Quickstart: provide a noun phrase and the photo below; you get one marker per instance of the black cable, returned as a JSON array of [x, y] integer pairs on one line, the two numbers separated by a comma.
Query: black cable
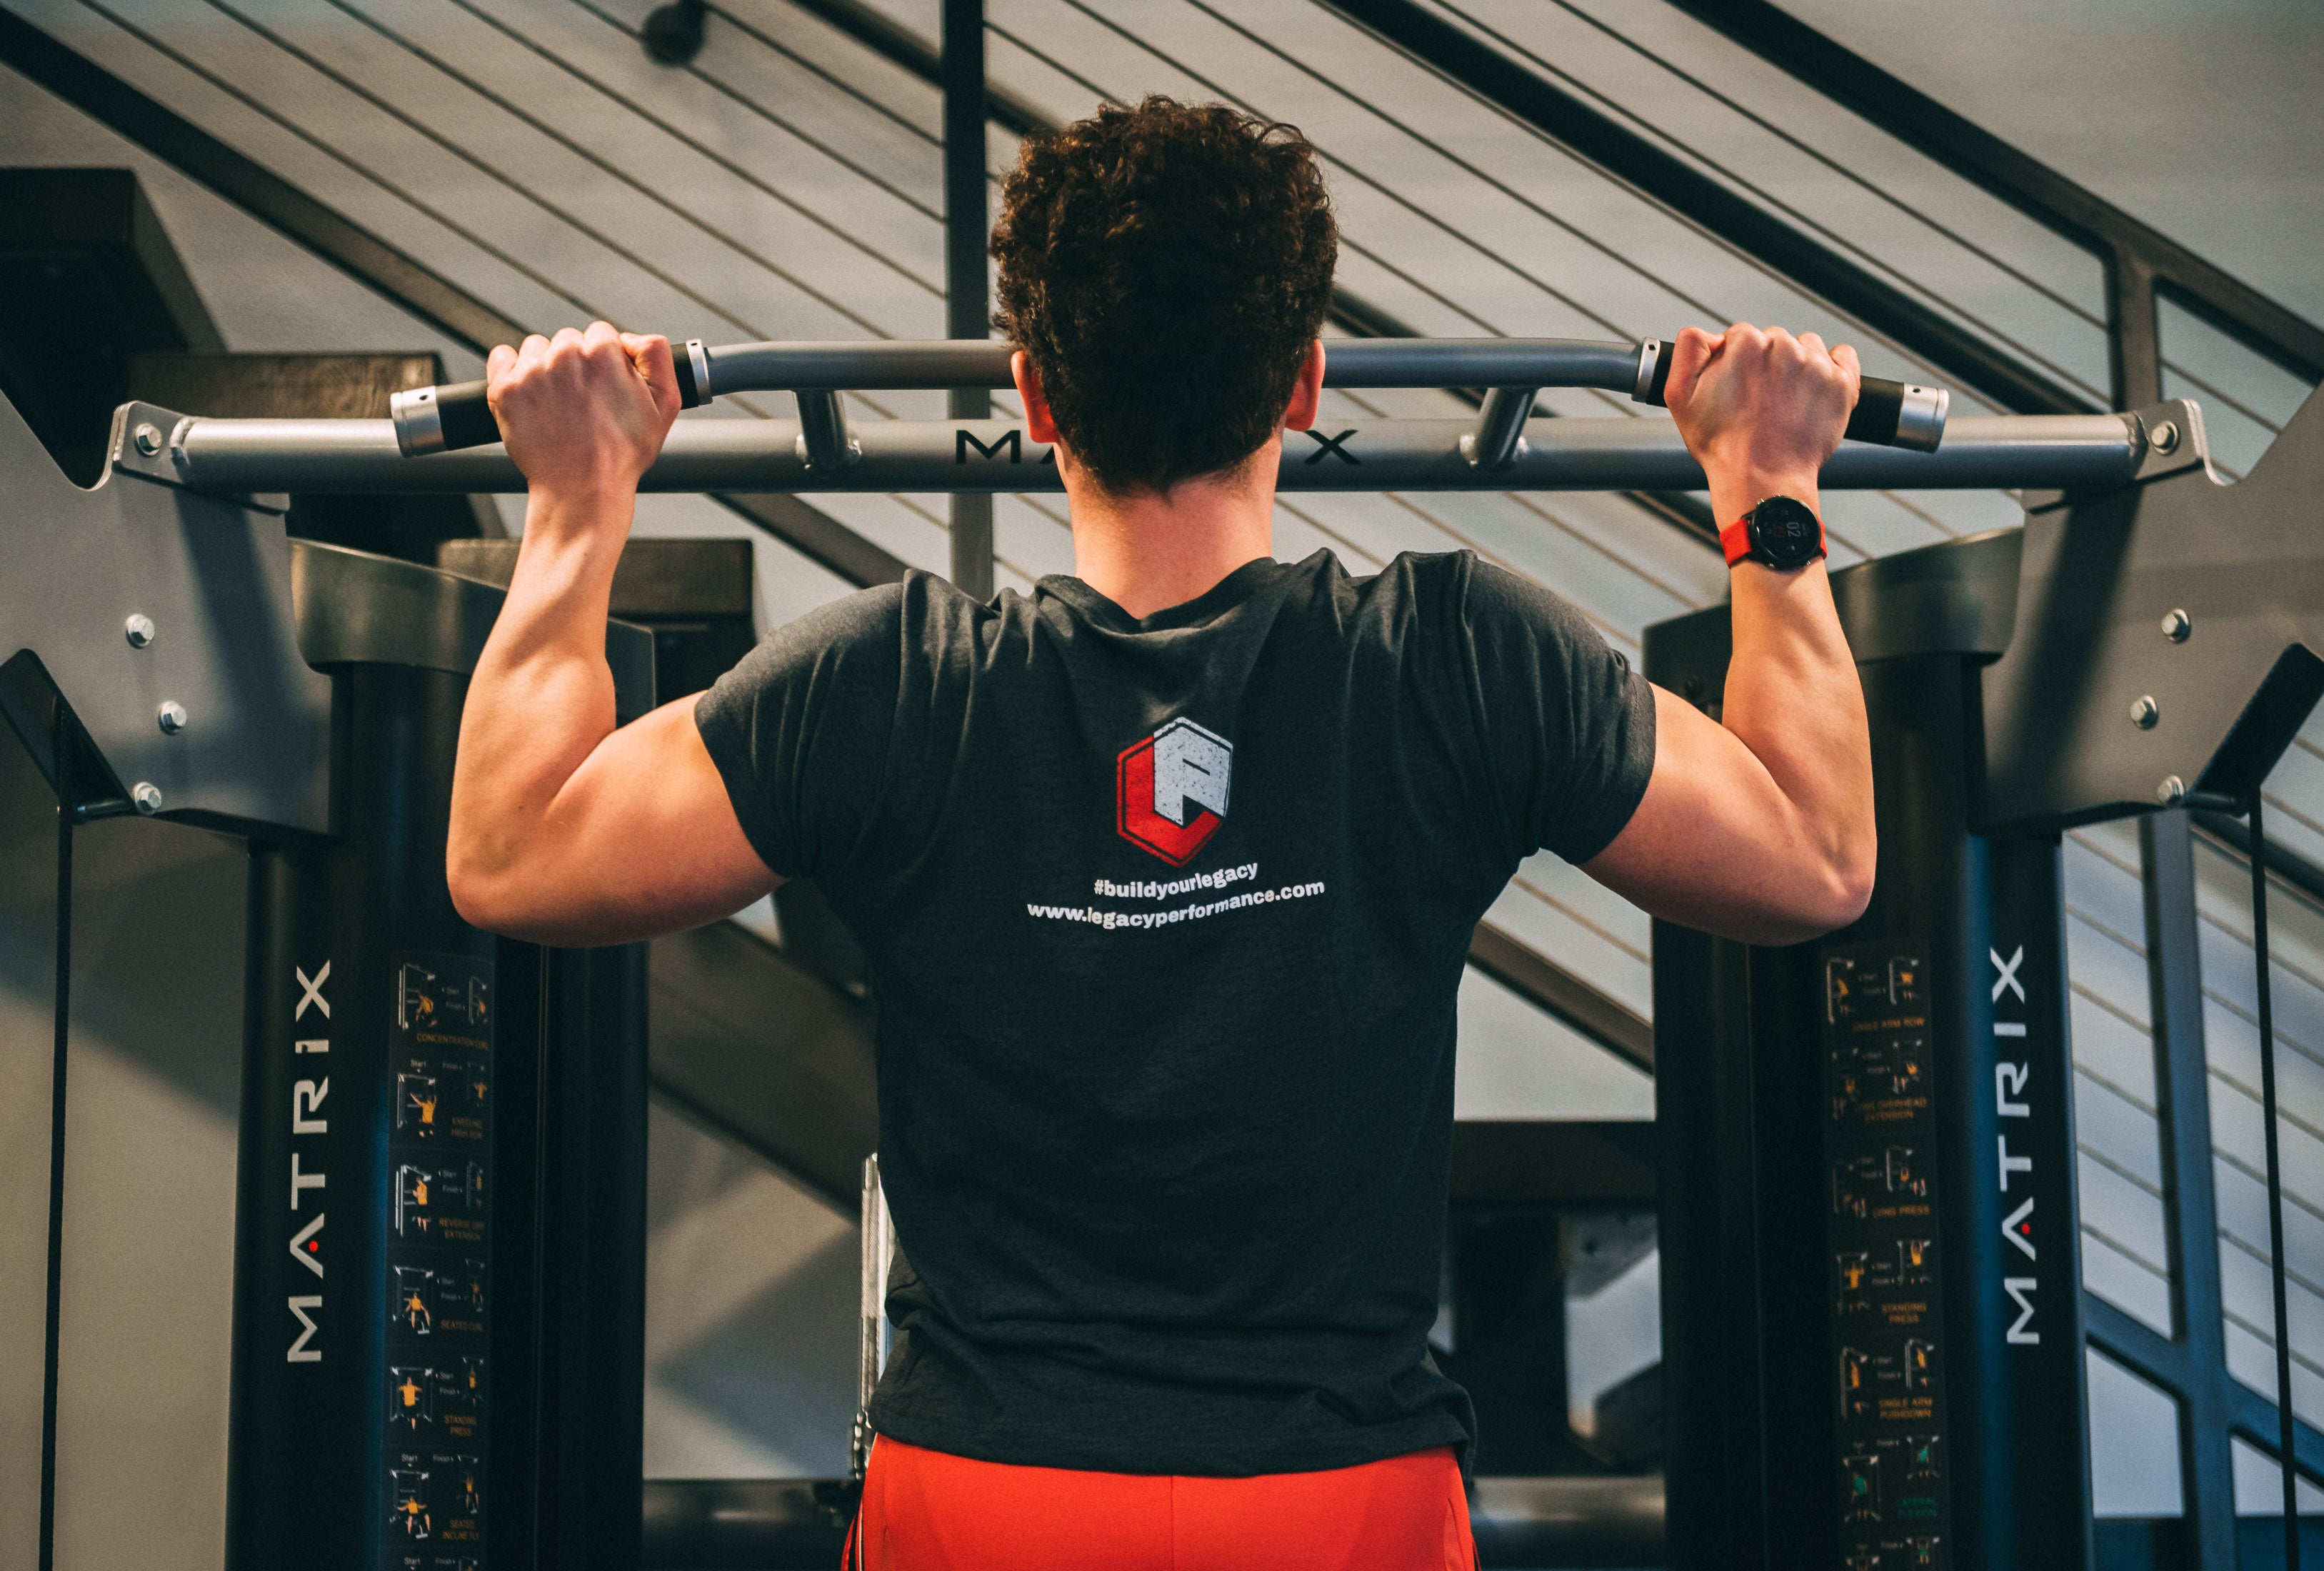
[[1619, 405], [375, 100], [259, 106], [60, 736], [1347, 242], [2284, 1431], [1694, 226], [506, 259]]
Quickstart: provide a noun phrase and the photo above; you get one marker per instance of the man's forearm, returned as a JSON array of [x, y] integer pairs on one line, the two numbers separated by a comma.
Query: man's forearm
[[1791, 693], [542, 696]]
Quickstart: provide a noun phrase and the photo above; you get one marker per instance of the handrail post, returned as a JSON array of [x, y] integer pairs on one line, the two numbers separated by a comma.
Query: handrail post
[[964, 272], [2134, 330]]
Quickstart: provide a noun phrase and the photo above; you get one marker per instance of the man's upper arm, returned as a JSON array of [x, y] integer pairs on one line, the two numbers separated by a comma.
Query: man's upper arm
[[1643, 791], [643, 839], [1715, 843], [1567, 727], [704, 805]]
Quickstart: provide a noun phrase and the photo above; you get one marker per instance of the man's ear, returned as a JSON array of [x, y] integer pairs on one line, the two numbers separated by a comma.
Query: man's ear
[[1308, 392], [1040, 423]]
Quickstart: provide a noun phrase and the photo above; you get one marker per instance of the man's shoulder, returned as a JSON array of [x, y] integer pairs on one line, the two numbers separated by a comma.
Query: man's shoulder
[[1410, 576], [920, 610], [1448, 599], [857, 637], [877, 612]]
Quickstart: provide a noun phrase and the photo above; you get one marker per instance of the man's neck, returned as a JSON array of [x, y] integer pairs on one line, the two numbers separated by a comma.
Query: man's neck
[[1147, 552]]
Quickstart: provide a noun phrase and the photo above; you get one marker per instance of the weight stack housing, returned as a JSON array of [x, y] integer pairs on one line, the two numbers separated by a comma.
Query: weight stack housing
[[1872, 1326], [423, 1104]]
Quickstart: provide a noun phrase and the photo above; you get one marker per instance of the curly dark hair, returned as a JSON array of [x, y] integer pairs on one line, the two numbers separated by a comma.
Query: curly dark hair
[[1165, 268]]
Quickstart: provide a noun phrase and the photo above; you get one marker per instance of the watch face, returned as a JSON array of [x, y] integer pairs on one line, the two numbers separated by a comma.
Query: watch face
[[1785, 533]]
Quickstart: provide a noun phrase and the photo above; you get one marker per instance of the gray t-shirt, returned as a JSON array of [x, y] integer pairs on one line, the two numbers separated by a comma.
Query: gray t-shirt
[[1165, 918]]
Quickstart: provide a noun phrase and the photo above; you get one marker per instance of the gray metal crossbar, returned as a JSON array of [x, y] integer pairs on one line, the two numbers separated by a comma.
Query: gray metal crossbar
[[227, 456]]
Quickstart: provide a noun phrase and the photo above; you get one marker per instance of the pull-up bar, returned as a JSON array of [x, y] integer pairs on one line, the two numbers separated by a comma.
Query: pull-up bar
[[2036, 451], [1891, 413], [443, 439]]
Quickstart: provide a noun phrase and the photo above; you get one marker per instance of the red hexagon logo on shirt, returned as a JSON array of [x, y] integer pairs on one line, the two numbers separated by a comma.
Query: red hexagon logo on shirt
[[1170, 790]]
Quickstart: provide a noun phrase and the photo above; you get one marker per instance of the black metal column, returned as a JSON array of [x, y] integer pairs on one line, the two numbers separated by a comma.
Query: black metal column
[[59, 1065], [1873, 1325], [361, 1409], [438, 1333], [588, 1328], [1714, 1393], [965, 302]]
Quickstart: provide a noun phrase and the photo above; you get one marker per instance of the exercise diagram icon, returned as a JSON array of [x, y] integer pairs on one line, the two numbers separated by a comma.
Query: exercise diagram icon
[[1171, 790]]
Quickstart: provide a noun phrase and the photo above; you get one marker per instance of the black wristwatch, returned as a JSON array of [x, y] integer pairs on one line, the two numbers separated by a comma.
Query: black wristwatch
[[1782, 532]]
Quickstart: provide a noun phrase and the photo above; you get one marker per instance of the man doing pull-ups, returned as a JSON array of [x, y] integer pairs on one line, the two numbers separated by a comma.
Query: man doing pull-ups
[[1165, 870]]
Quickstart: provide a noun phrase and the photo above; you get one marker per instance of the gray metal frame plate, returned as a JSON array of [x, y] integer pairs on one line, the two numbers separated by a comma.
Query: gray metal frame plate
[[214, 576]]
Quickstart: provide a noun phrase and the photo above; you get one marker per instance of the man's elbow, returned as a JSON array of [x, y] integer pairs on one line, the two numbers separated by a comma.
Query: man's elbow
[[481, 899], [1831, 897], [1844, 891], [493, 892], [1850, 893]]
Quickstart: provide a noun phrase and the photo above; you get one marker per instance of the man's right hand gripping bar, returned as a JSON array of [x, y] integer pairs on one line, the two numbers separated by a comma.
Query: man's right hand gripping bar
[[1890, 414]]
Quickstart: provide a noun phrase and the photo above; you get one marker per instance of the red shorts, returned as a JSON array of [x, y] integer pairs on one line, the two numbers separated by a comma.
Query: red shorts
[[928, 1510]]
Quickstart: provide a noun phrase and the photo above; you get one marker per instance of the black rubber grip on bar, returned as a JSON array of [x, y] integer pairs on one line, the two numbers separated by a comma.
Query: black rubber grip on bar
[[1879, 402], [467, 417], [1662, 373]]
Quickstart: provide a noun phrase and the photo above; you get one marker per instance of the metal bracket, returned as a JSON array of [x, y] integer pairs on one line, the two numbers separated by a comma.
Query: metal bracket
[[163, 618], [1498, 439], [2165, 439], [2165, 633], [184, 629], [825, 443], [150, 442], [2171, 439]]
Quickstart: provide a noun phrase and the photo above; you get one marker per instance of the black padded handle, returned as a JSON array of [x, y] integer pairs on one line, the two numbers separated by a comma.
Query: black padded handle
[[1879, 408], [466, 415], [1878, 402], [447, 418]]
